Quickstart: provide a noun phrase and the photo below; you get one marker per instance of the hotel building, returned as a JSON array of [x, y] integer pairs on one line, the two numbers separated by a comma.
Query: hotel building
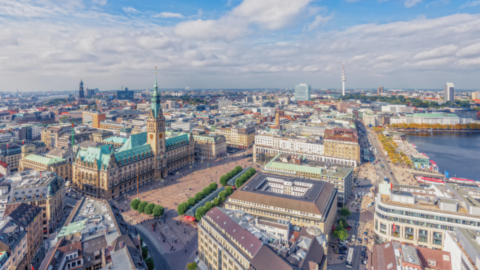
[[235, 240], [302, 202], [423, 216]]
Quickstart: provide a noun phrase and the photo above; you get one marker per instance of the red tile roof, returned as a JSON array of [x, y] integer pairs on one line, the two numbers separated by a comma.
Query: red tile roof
[[3, 164]]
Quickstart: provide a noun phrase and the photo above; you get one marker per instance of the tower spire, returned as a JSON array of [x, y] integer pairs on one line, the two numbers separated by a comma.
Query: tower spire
[[155, 87], [344, 78]]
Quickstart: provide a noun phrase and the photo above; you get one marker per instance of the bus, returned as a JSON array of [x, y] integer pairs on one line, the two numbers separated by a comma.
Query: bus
[[349, 261]]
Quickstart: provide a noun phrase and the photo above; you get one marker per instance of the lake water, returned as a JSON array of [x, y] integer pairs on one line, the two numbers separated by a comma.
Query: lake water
[[457, 153]]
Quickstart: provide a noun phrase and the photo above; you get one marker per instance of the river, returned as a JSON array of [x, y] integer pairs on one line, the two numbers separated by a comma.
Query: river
[[455, 152]]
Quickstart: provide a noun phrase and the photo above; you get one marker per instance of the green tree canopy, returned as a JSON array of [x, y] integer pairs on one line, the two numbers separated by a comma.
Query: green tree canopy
[[191, 201], [149, 208], [213, 186], [158, 211], [141, 207], [223, 180], [144, 252], [222, 195], [208, 206], [216, 201], [199, 213], [150, 264], [228, 190], [345, 212], [182, 208], [191, 266], [341, 233], [134, 204]]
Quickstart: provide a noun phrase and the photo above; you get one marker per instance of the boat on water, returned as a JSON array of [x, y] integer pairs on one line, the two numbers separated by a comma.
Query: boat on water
[[454, 180], [463, 181], [430, 180]]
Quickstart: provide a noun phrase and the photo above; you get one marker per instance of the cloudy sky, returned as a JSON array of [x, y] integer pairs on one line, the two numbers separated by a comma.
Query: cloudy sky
[[52, 44]]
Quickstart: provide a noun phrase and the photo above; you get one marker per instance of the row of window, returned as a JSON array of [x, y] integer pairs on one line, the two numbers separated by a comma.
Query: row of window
[[431, 217]]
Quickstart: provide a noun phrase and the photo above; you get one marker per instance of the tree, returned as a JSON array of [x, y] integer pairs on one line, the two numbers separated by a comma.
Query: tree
[[144, 252], [213, 186], [149, 208], [208, 206], [191, 201], [207, 190], [340, 233], [141, 207], [222, 195], [229, 175], [191, 266], [199, 196], [134, 204], [238, 168], [343, 222], [150, 264], [223, 180], [182, 208], [158, 211], [199, 213], [238, 182], [229, 190], [216, 201]]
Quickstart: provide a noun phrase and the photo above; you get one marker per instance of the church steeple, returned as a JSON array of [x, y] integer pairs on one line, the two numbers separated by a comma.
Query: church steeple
[[156, 107]]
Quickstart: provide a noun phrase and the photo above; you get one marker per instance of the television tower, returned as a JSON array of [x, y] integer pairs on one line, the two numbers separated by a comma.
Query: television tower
[[344, 78]]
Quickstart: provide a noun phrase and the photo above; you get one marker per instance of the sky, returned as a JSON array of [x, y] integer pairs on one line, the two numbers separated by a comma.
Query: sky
[[52, 44]]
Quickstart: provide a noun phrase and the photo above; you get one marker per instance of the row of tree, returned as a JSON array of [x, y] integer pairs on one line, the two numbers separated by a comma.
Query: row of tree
[[147, 208], [341, 229], [397, 157], [148, 260], [224, 178], [183, 207], [244, 178], [222, 196]]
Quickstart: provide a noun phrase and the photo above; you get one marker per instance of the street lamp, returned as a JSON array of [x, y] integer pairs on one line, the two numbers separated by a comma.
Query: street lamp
[[177, 179], [204, 182], [161, 180], [190, 188]]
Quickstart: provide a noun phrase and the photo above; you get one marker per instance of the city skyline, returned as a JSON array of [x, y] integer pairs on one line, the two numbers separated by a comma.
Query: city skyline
[[238, 44]]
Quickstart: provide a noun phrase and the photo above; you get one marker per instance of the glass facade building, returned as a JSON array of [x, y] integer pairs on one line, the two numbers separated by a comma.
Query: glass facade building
[[302, 92]]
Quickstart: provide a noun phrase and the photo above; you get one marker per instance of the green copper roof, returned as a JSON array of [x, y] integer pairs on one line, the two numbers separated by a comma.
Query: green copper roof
[[156, 107], [72, 228], [292, 167], [97, 155], [435, 115], [133, 148], [44, 160], [176, 141], [116, 140]]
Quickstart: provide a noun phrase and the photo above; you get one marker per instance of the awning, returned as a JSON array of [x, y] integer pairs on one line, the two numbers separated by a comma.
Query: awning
[[189, 218]]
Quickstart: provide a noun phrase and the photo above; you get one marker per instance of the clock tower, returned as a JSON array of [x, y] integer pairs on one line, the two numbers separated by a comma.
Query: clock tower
[[156, 131]]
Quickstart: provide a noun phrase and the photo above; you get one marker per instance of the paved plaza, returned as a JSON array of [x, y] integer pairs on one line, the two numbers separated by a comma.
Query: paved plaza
[[176, 237]]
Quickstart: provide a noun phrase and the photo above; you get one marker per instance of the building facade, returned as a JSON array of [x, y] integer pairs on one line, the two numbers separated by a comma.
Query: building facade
[[57, 165], [449, 92], [302, 202], [81, 92], [380, 90], [209, 146], [103, 172], [342, 144], [237, 137], [339, 175], [93, 119], [223, 102], [303, 92], [423, 216], [43, 189], [51, 135]]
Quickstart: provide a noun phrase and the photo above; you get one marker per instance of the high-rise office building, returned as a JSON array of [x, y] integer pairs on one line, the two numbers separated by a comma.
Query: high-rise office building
[[81, 93], [223, 102], [476, 95], [449, 92], [302, 92], [380, 90]]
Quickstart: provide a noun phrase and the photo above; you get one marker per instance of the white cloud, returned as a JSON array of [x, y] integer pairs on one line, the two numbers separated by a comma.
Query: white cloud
[[468, 51], [168, 15], [470, 4], [411, 3], [231, 51], [130, 10], [319, 20], [437, 52], [267, 14], [100, 2]]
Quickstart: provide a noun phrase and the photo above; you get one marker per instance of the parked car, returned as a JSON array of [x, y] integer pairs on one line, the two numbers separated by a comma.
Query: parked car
[[357, 225], [363, 253], [348, 229], [342, 252]]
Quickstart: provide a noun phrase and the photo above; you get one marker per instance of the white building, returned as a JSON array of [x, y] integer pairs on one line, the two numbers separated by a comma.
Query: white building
[[397, 108], [464, 248], [370, 120], [300, 145], [223, 102], [430, 118], [449, 92]]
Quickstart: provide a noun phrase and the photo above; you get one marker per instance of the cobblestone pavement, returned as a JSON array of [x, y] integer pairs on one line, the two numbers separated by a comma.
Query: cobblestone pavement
[[182, 249]]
